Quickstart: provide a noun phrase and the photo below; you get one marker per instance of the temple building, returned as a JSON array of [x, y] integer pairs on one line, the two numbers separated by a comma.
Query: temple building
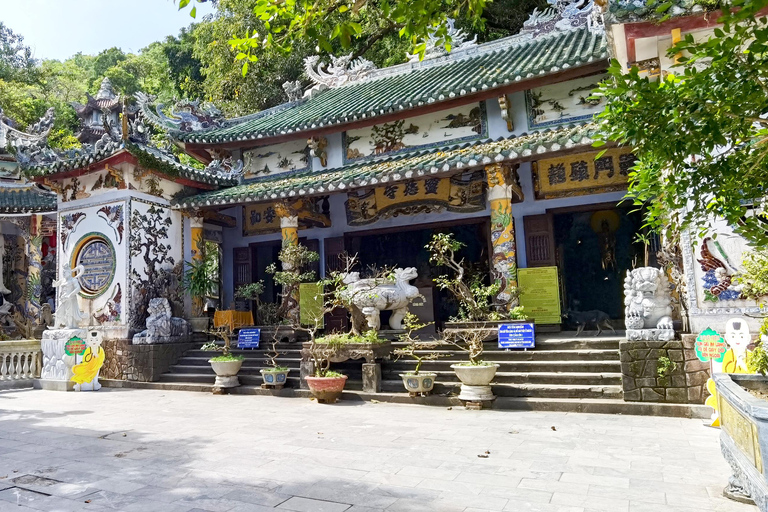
[[106, 107], [491, 142]]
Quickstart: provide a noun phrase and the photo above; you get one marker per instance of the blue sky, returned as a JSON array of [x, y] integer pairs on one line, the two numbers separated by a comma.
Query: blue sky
[[57, 29]]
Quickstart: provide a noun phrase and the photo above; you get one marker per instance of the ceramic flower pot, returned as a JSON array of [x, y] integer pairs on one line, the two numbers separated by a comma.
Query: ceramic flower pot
[[326, 389], [475, 381], [418, 383], [274, 378], [226, 373]]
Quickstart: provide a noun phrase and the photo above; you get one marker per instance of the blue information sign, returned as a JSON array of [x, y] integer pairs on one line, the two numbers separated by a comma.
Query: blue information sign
[[520, 335], [248, 338]]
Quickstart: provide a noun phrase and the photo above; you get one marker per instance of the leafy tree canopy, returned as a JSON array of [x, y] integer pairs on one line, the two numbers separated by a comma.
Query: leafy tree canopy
[[701, 131]]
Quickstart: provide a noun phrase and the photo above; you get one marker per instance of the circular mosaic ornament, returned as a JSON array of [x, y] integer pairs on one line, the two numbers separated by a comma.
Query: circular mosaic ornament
[[97, 256]]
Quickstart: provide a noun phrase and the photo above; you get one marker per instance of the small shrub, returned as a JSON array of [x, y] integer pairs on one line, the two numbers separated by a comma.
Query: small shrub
[[665, 366]]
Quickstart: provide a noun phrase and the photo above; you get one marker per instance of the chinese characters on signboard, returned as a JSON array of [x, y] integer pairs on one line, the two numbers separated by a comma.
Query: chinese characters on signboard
[[583, 174]]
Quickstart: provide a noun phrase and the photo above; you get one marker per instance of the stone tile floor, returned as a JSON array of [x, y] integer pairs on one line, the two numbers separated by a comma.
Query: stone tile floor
[[148, 450]]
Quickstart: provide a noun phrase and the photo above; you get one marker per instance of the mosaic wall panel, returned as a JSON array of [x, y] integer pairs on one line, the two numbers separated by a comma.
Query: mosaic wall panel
[[288, 157], [564, 102]]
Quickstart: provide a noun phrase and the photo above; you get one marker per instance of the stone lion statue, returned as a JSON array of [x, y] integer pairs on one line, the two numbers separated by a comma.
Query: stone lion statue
[[372, 296], [648, 305], [162, 327]]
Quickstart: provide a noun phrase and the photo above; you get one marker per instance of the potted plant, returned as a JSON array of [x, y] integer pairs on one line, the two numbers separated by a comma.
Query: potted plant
[[475, 374], [227, 364], [417, 382], [276, 376], [200, 281], [478, 304]]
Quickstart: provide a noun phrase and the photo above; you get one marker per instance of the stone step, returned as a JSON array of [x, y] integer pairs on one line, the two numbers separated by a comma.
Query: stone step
[[521, 390], [252, 360], [246, 369], [582, 405], [208, 378], [564, 378], [520, 366]]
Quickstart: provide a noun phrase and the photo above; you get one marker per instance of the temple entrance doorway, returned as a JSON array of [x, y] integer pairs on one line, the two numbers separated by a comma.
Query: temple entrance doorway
[[405, 247], [594, 249]]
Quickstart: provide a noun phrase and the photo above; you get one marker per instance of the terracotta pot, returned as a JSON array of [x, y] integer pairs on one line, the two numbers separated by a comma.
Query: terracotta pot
[[326, 389], [199, 324], [226, 373], [418, 383]]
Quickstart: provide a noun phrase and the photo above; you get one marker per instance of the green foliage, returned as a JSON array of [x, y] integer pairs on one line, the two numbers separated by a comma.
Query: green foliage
[[665, 366], [757, 360], [701, 132], [295, 260], [753, 276], [201, 277], [328, 374], [250, 291], [228, 357], [340, 339]]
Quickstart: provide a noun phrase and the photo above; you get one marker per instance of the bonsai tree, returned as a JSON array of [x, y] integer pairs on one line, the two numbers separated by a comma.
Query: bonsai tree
[[272, 354], [753, 280], [295, 259], [200, 279], [225, 334], [266, 312], [477, 301], [469, 341], [415, 348]]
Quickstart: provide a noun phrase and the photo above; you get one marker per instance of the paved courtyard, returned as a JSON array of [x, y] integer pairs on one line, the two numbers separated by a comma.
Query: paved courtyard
[[147, 450]]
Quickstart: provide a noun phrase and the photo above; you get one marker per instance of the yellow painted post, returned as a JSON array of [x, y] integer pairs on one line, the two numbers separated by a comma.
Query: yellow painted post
[[504, 260], [196, 224], [289, 228], [676, 38]]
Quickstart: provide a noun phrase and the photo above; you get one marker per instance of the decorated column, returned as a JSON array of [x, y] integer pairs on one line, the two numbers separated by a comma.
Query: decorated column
[[34, 268], [501, 187], [196, 224]]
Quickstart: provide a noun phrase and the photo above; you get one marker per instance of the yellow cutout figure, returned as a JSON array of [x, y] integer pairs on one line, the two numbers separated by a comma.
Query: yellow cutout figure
[[731, 364], [86, 374]]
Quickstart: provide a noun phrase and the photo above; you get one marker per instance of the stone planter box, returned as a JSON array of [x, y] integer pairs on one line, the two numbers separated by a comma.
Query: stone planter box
[[744, 436], [418, 383], [327, 390], [199, 324], [642, 383], [368, 351]]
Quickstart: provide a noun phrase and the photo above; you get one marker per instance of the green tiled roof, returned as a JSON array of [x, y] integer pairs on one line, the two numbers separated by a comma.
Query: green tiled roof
[[25, 198], [407, 86], [403, 167], [151, 157], [622, 11]]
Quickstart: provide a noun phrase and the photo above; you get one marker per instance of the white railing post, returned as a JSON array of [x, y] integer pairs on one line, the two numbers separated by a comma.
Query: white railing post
[[19, 360]]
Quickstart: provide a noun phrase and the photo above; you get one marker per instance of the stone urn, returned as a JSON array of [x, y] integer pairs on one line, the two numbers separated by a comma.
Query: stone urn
[[327, 390], [416, 383], [199, 324], [475, 381], [744, 436], [226, 373], [274, 378]]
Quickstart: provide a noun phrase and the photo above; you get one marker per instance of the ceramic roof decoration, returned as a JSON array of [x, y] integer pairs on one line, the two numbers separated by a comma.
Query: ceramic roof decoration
[[407, 86], [342, 70], [20, 197], [37, 159], [185, 115], [459, 43], [403, 167], [639, 10]]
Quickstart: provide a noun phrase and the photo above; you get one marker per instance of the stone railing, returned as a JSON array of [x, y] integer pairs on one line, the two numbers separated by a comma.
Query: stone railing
[[19, 361]]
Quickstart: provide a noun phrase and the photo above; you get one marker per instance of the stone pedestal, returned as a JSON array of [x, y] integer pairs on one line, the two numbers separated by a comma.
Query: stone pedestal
[[650, 334], [476, 393], [306, 369], [56, 373], [371, 377]]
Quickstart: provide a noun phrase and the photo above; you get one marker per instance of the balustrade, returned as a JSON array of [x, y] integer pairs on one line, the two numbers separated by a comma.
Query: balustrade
[[19, 360]]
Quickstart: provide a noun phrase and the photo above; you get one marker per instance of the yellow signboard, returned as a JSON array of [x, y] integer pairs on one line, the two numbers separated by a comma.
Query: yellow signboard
[[540, 294], [311, 303], [581, 174]]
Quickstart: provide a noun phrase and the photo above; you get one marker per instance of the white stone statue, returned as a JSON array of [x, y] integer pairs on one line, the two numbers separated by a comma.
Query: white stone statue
[[648, 306], [68, 314], [162, 326], [3, 289], [372, 296]]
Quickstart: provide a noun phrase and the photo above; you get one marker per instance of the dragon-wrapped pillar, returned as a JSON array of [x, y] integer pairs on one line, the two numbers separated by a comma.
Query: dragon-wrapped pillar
[[502, 188], [34, 252]]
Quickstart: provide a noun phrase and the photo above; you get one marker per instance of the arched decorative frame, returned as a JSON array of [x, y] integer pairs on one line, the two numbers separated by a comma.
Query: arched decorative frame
[[81, 250]]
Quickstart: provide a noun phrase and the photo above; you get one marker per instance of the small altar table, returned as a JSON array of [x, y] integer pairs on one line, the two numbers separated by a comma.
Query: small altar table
[[234, 319]]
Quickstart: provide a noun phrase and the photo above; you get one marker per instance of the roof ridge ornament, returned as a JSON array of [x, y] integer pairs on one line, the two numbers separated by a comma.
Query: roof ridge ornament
[[459, 42], [227, 168], [342, 70], [106, 91], [32, 148], [185, 115], [564, 15]]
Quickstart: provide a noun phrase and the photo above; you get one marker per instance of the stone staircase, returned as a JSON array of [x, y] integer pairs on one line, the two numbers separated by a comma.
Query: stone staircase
[[560, 367]]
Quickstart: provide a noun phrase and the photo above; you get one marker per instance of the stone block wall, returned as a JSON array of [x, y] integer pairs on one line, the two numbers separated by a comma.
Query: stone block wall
[[642, 382], [142, 363]]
